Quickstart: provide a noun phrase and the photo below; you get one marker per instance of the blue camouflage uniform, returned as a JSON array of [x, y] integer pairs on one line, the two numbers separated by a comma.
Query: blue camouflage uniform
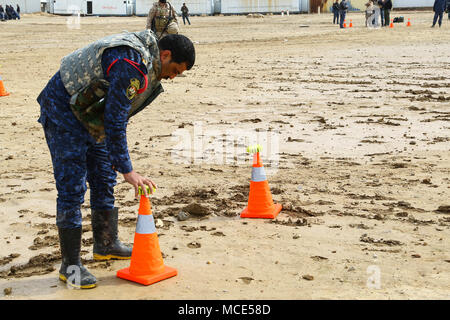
[[76, 155], [438, 8], [343, 7]]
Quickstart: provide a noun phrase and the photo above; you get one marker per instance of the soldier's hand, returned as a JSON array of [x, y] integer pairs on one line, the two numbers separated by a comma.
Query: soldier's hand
[[136, 180]]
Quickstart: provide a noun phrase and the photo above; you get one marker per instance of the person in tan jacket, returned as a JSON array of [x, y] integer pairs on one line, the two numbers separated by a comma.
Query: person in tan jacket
[[162, 19]]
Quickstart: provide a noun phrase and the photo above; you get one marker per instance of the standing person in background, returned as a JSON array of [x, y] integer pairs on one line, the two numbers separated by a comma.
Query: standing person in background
[[15, 14], [2, 13], [380, 6], [18, 11], [335, 10], [448, 9], [7, 12], [438, 8], [376, 14], [343, 7], [387, 6], [185, 13], [369, 13], [12, 14], [162, 19]]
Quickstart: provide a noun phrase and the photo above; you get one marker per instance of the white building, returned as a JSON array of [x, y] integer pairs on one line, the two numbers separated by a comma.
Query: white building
[[26, 6], [412, 3], [261, 6], [92, 7], [196, 7]]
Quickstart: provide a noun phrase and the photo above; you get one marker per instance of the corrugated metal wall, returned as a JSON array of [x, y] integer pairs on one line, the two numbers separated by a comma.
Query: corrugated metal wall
[[65, 6], [118, 7], [412, 3], [108, 7], [99, 7], [195, 6], [303, 6], [246, 6]]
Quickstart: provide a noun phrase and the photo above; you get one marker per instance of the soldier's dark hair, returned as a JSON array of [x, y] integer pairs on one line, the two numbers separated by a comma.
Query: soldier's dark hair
[[181, 47]]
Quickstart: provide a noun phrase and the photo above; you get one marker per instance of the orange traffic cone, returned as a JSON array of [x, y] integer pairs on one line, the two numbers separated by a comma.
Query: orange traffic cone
[[3, 92], [391, 25], [409, 22], [260, 203], [351, 24], [146, 266], [345, 23]]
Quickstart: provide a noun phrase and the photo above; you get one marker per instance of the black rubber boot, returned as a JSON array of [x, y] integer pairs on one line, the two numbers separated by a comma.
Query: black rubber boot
[[72, 271], [106, 241]]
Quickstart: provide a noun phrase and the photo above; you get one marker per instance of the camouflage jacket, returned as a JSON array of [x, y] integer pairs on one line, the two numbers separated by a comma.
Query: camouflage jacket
[[159, 16], [83, 77]]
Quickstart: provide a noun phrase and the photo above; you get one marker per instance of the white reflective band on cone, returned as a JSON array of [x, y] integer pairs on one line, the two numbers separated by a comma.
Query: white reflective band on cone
[[145, 224], [258, 174]]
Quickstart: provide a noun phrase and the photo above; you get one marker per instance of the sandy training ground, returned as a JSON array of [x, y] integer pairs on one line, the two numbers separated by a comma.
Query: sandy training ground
[[355, 125]]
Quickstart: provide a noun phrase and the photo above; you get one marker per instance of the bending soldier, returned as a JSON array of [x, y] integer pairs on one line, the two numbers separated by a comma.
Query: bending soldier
[[85, 108]]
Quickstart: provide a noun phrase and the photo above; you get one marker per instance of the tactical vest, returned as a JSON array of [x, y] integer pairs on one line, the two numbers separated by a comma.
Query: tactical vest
[[163, 17], [83, 77]]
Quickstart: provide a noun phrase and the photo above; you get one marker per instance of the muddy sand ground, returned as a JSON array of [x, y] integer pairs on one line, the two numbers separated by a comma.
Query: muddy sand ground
[[357, 151]]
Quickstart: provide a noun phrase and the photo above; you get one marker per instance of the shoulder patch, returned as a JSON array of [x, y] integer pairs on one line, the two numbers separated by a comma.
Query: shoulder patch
[[133, 88]]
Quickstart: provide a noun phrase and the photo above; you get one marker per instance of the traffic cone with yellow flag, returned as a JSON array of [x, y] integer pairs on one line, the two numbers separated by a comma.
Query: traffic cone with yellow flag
[[260, 203]]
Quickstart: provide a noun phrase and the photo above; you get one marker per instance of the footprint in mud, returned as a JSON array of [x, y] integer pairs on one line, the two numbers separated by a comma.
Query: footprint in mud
[[239, 197], [47, 241], [298, 223], [128, 222], [37, 265], [289, 139], [8, 259], [194, 245], [197, 209], [319, 258], [246, 280], [365, 238], [443, 209]]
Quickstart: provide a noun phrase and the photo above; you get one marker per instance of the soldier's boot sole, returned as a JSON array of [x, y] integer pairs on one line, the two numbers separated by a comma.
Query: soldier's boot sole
[[101, 257], [86, 286]]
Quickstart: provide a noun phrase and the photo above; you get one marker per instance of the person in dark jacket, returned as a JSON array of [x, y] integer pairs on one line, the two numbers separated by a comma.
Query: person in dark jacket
[[2, 13], [14, 13], [18, 11], [448, 9], [335, 10], [185, 14], [343, 7], [380, 5], [438, 8], [387, 6], [7, 13]]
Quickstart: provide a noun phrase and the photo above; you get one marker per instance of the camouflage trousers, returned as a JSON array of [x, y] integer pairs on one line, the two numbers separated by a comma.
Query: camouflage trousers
[[77, 159]]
